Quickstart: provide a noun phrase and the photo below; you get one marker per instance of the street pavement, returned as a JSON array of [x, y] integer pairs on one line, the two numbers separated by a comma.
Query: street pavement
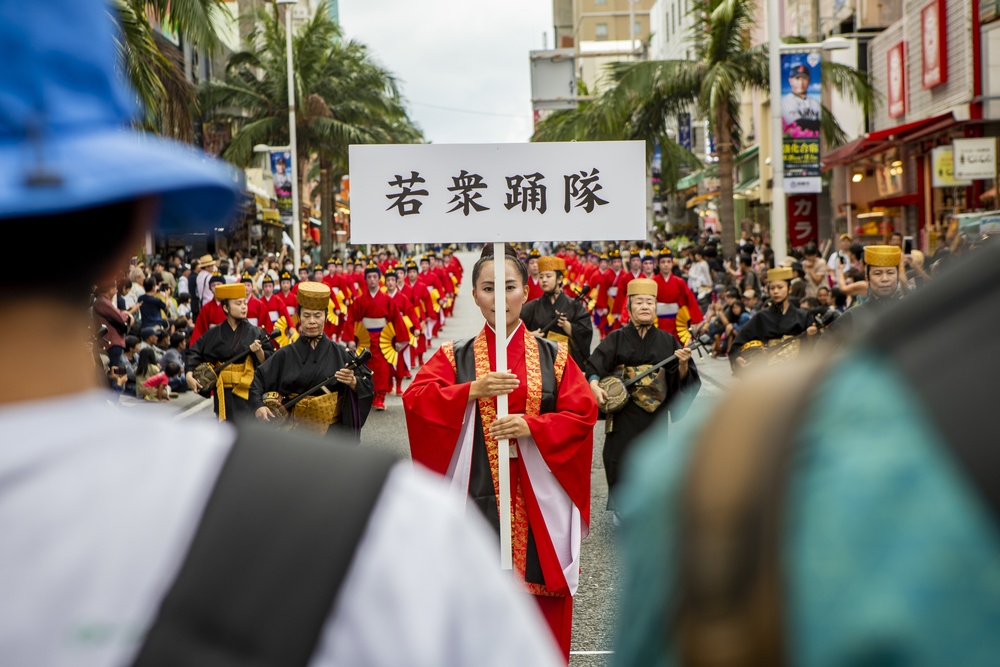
[[595, 605]]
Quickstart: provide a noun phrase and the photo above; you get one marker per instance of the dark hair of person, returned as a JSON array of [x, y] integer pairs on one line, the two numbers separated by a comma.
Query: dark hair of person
[[839, 298], [172, 369], [97, 236], [732, 292], [131, 341], [746, 260], [510, 254], [149, 283], [176, 339], [146, 359], [811, 250], [857, 250], [855, 274], [183, 298]]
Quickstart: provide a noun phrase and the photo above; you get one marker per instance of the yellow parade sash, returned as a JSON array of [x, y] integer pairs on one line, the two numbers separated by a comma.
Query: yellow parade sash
[[235, 377]]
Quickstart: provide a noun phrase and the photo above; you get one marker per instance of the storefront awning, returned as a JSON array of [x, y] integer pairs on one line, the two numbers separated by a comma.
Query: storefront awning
[[746, 155], [747, 188], [694, 201], [876, 142], [694, 179], [896, 201]]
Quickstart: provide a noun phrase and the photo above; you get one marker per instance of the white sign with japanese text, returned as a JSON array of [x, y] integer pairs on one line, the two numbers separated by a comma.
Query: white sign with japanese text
[[975, 159], [444, 193]]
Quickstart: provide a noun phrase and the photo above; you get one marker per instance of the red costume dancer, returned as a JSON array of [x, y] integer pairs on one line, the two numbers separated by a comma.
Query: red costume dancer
[[676, 304], [401, 370], [534, 288], [211, 314], [425, 306], [451, 417], [370, 313], [255, 312], [550, 476], [436, 288], [272, 306], [447, 288]]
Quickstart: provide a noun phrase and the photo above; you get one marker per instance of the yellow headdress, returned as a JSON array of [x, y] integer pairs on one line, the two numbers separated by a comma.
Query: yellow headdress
[[780, 273], [234, 291], [883, 255], [550, 263], [314, 296], [642, 286]]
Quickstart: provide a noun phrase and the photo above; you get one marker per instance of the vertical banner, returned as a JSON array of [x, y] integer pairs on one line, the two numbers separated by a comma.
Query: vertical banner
[[684, 131], [803, 220], [897, 80], [281, 173], [800, 121], [934, 44], [656, 174]]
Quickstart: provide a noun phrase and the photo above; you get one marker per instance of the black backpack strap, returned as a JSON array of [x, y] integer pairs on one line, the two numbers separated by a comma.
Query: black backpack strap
[[267, 561], [944, 341]]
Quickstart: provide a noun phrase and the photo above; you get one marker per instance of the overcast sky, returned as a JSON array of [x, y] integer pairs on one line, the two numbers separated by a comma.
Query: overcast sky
[[462, 55]]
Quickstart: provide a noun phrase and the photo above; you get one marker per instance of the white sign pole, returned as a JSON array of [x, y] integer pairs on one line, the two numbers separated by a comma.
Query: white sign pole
[[503, 446]]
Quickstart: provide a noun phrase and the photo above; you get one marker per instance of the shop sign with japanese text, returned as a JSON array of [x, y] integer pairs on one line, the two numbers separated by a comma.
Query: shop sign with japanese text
[[803, 220], [428, 193]]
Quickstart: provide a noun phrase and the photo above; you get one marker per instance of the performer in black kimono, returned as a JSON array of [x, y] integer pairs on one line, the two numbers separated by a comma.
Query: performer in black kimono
[[573, 323], [220, 344], [342, 406], [882, 275], [772, 326], [628, 351]]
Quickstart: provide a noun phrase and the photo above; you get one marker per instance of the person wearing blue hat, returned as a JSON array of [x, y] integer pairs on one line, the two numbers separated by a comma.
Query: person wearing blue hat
[[140, 539]]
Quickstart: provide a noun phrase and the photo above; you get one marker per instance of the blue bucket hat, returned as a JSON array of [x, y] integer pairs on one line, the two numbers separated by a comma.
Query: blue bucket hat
[[65, 119]]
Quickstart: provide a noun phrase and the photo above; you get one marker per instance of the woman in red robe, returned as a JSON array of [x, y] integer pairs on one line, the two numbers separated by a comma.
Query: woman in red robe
[[451, 416]]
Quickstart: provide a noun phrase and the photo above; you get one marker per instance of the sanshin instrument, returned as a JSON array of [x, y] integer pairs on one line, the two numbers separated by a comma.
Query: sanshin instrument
[[617, 389], [281, 407], [555, 322], [206, 375], [785, 349]]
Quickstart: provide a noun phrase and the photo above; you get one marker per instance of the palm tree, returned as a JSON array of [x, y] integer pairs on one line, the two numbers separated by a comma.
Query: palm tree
[[724, 66], [342, 97], [168, 99]]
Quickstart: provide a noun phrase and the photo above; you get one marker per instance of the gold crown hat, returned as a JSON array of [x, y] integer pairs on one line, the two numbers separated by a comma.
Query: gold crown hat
[[534, 252], [233, 291], [372, 268], [551, 263], [246, 277], [615, 253], [641, 286], [883, 255], [268, 279], [780, 273], [665, 251], [314, 296], [285, 275]]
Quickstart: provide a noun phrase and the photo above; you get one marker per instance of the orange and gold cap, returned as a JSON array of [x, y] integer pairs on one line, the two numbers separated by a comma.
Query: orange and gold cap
[[883, 255], [550, 263], [314, 296], [642, 286]]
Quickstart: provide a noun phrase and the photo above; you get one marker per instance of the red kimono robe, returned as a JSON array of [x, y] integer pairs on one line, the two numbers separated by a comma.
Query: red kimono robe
[[404, 363], [422, 301], [371, 313], [271, 309], [676, 306], [534, 289], [550, 475], [210, 315]]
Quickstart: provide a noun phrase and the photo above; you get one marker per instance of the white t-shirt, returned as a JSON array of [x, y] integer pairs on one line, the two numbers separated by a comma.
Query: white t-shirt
[[98, 506]]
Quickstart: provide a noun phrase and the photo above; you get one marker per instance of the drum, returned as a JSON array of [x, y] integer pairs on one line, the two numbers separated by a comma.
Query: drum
[[617, 393]]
